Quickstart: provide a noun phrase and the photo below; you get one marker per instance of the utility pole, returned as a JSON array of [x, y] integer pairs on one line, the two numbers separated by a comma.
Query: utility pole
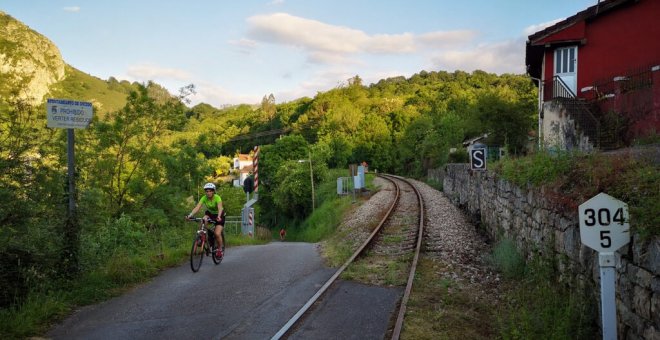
[[311, 178]]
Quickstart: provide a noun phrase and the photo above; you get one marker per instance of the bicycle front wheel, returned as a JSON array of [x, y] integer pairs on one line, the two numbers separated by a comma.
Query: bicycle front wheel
[[197, 253]]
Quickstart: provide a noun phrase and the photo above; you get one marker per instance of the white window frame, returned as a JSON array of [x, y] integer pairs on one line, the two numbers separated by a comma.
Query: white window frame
[[565, 65]]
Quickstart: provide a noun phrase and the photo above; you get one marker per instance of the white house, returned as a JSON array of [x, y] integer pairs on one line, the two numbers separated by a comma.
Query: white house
[[242, 167]]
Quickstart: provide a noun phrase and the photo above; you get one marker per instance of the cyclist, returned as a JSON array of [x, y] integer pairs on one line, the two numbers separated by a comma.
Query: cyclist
[[213, 205]]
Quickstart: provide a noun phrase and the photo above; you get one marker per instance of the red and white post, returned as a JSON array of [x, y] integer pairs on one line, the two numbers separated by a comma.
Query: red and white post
[[255, 166]]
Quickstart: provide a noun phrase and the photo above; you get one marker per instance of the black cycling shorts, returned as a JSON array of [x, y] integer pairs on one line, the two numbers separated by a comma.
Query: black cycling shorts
[[214, 217]]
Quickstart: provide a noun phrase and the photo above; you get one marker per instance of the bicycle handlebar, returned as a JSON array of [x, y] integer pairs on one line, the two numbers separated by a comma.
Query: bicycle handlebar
[[199, 219]]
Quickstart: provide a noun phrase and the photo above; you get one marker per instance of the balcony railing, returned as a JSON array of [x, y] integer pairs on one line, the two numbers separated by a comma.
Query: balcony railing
[[556, 88], [625, 106], [560, 89], [615, 111]]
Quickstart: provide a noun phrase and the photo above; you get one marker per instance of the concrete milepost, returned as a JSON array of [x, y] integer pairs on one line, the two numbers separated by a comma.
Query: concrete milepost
[[604, 227]]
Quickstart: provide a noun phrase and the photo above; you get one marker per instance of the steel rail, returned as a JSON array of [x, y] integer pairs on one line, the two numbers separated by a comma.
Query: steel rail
[[396, 333], [334, 277]]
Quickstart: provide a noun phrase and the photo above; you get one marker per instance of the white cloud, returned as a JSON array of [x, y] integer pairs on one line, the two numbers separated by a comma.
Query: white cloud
[[446, 38], [323, 42], [74, 9], [338, 45], [500, 57], [329, 58], [219, 96], [336, 53], [390, 43], [146, 72], [243, 45], [314, 35], [538, 27]]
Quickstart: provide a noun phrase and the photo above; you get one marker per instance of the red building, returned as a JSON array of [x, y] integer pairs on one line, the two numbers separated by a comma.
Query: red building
[[599, 75]]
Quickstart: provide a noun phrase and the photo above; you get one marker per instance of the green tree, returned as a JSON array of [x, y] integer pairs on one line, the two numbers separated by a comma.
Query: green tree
[[271, 159], [268, 107], [410, 160], [339, 149], [507, 117], [32, 194], [127, 153], [293, 193]]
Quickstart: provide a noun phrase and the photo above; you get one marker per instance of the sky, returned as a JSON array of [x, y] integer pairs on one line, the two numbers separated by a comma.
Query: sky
[[239, 51]]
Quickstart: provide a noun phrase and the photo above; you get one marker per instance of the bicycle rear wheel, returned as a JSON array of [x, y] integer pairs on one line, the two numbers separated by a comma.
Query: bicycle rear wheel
[[197, 253]]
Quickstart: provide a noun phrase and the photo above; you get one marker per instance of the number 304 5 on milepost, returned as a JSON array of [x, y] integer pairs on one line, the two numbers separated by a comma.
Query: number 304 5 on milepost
[[604, 223]]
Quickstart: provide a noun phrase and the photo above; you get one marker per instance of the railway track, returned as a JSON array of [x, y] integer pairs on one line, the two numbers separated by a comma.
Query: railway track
[[388, 257]]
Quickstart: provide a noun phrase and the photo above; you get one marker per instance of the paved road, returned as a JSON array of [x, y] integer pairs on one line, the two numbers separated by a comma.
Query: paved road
[[249, 296]]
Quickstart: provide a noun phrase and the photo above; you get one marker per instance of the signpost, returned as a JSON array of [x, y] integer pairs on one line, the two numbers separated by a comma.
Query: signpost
[[604, 227], [478, 157], [70, 114]]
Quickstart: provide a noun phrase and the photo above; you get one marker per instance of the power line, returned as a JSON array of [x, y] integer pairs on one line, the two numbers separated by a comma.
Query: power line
[[285, 130], [260, 134]]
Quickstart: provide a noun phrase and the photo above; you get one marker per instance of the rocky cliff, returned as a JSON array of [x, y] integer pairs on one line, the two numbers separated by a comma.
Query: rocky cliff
[[29, 62]]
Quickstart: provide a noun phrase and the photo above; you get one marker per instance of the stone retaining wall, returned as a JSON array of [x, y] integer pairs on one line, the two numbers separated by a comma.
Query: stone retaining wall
[[542, 226]]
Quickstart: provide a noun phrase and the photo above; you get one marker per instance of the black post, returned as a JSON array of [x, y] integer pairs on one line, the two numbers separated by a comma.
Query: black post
[[71, 232], [71, 171]]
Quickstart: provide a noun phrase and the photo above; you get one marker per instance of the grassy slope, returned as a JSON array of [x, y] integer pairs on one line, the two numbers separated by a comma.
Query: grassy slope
[[110, 96]]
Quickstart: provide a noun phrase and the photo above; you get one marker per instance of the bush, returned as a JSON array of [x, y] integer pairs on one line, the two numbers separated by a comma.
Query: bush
[[323, 221], [460, 156], [124, 269], [572, 179], [539, 307], [508, 260], [540, 168], [13, 278]]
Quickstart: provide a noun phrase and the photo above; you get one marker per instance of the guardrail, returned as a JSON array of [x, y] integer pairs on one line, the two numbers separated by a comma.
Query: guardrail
[[233, 225], [345, 186]]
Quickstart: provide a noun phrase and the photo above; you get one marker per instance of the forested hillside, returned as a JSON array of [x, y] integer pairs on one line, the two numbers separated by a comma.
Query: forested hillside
[[140, 163], [397, 125]]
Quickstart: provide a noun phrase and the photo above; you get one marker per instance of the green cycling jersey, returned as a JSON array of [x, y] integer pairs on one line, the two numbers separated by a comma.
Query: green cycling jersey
[[211, 204]]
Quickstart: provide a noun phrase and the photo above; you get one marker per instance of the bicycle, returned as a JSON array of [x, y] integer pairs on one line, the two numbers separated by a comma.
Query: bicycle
[[202, 244]]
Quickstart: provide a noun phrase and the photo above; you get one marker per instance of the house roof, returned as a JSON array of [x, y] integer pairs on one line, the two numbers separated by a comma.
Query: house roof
[[569, 30], [468, 142], [244, 157]]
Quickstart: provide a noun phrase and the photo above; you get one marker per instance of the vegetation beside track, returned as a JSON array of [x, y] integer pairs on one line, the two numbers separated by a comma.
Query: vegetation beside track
[[631, 175], [526, 304]]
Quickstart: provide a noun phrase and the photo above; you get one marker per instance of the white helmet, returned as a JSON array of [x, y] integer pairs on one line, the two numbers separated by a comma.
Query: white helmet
[[209, 186]]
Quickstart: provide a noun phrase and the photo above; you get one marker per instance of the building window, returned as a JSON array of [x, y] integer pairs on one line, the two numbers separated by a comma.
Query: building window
[[565, 60]]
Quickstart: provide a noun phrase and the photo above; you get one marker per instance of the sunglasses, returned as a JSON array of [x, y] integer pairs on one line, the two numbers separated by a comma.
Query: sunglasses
[[208, 190]]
